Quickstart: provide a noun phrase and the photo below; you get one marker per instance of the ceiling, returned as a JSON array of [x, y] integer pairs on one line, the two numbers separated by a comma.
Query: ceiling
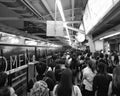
[[108, 24], [28, 17]]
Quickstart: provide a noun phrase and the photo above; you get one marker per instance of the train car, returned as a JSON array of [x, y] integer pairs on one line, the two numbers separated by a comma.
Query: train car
[[37, 31]]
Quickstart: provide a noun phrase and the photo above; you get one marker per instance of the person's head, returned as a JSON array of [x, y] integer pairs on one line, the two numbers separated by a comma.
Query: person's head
[[58, 71], [3, 79], [66, 77], [65, 86], [89, 54], [5, 91], [41, 68], [91, 65], [82, 57], [116, 76], [106, 56], [101, 55], [54, 57], [101, 67]]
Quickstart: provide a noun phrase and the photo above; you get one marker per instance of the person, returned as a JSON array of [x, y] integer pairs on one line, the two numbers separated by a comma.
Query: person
[[116, 59], [101, 59], [52, 64], [3, 79], [40, 68], [39, 87], [4, 89], [88, 74], [58, 72], [50, 80], [114, 87], [65, 87], [101, 81]]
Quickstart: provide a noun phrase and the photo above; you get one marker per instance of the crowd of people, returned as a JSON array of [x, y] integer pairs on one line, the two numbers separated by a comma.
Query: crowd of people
[[74, 73]]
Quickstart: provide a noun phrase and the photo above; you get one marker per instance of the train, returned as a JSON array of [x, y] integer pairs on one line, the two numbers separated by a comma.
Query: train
[[19, 61]]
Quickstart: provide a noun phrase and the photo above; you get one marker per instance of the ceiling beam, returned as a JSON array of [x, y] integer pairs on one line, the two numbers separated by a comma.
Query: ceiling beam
[[26, 14], [48, 8], [23, 19], [75, 29], [8, 1], [38, 33], [68, 22], [73, 3], [65, 11], [32, 20], [51, 38], [69, 18], [31, 7], [17, 8]]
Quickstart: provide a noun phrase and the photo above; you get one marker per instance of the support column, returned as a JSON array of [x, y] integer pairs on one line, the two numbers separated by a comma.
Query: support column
[[91, 43]]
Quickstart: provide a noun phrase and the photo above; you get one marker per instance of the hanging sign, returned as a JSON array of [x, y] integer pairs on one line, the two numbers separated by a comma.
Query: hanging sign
[[55, 28]]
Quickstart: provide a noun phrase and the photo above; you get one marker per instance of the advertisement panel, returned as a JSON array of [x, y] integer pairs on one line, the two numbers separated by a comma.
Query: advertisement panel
[[55, 28], [95, 11]]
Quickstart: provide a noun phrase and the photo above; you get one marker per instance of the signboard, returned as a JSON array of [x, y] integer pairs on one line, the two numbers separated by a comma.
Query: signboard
[[55, 28], [95, 11]]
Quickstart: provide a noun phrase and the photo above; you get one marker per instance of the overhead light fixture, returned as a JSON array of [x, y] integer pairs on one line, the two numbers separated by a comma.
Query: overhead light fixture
[[59, 5], [111, 35], [60, 8], [28, 42]]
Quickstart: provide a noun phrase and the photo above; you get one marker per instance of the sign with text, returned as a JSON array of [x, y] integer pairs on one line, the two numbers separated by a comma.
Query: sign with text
[[55, 28], [95, 11]]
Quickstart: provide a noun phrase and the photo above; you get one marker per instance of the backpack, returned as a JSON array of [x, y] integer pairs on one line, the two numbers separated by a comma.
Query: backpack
[[40, 88]]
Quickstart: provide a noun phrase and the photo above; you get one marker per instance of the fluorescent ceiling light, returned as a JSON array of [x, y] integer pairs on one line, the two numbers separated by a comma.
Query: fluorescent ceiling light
[[30, 42], [111, 35], [60, 8], [59, 5]]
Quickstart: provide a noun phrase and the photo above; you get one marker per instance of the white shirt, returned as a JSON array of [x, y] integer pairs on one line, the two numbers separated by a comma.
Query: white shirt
[[88, 77]]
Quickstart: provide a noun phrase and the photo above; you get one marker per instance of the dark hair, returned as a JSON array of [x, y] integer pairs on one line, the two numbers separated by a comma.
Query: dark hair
[[106, 56], [89, 54], [51, 75], [101, 55], [3, 79], [58, 72], [116, 77], [41, 68], [82, 57], [4, 91], [64, 88], [60, 61], [91, 64], [74, 63], [102, 68]]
